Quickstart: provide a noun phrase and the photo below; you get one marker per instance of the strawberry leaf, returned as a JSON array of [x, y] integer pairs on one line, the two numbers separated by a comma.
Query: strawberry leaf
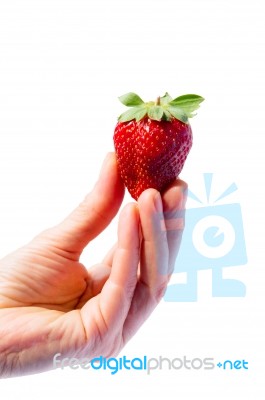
[[133, 113], [166, 116], [188, 103], [131, 99], [164, 108], [178, 113], [156, 113], [141, 114], [165, 99]]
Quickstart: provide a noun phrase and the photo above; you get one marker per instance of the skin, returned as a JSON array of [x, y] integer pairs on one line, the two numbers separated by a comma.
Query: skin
[[51, 303]]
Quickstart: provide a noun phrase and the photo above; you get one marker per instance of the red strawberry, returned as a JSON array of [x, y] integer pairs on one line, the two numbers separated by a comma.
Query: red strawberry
[[152, 140]]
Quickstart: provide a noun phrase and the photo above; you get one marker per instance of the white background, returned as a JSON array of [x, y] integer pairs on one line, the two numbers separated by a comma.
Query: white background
[[62, 66]]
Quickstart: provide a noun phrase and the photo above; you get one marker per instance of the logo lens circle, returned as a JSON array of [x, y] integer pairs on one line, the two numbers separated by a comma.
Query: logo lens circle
[[207, 234]]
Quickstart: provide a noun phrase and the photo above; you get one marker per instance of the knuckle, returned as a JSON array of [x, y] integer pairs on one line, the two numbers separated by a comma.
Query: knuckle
[[160, 290]]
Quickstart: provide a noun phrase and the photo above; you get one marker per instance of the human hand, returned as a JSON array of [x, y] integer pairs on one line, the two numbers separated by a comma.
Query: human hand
[[50, 303]]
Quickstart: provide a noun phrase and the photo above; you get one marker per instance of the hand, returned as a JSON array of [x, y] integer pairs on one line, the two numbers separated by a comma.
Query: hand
[[50, 303]]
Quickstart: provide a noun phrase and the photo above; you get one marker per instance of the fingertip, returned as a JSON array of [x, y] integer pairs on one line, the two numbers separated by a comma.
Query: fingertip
[[108, 158], [129, 210], [177, 184], [150, 198], [129, 222], [109, 181], [183, 186], [175, 196], [97, 209]]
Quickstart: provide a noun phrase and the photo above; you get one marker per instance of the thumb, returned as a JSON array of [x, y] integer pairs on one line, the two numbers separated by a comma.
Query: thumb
[[95, 212]]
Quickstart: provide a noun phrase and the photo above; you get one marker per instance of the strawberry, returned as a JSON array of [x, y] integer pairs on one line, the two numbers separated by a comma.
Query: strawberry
[[152, 140]]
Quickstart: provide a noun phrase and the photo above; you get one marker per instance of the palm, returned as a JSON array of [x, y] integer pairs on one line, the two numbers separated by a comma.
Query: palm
[[43, 278], [42, 286]]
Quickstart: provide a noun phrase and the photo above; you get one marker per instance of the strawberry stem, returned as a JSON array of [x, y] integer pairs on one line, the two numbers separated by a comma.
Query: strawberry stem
[[157, 103]]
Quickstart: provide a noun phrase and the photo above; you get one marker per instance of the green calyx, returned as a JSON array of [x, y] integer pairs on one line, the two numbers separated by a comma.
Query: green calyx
[[164, 108]]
